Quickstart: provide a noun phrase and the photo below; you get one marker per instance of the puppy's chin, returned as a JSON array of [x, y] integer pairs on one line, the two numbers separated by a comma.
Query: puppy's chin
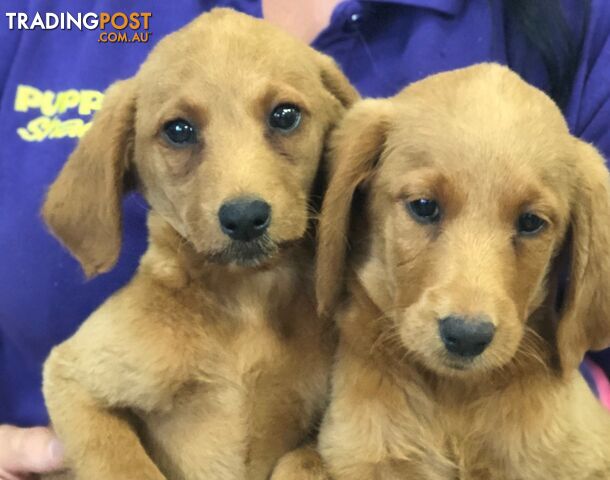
[[251, 254], [445, 364], [452, 366]]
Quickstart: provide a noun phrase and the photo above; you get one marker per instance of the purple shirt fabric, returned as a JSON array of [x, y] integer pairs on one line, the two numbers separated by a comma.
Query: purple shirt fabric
[[381, 45]]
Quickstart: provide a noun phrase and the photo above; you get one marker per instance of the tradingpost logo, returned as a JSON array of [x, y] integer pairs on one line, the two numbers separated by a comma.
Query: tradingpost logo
[[118, 27]]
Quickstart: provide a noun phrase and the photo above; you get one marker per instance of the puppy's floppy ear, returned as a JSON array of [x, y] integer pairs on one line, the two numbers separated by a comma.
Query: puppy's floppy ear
[[83, 205], [355, 148], [335, 81], [584, 322]]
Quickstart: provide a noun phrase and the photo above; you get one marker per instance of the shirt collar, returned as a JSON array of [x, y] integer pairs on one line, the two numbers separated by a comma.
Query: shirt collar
[[449, 7]]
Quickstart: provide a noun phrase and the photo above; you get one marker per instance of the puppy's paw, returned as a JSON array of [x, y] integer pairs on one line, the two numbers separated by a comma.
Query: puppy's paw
[[303, 463]]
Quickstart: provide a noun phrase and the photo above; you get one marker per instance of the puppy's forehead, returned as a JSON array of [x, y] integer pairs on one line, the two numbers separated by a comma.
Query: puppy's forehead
[[467, 118], [224, 47]]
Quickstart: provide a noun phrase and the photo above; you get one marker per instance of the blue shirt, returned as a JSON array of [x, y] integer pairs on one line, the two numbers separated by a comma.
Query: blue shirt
[[49, 86]]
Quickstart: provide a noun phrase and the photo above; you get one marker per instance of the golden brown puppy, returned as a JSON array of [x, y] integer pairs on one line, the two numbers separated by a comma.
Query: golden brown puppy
[[466, 202], [211, 363]]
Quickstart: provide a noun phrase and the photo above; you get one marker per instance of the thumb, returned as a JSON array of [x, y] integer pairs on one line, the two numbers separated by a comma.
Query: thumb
[[29, 450]]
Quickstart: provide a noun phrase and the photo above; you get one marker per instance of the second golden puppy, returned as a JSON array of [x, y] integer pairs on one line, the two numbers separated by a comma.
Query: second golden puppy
[[211, 363], [477, 278]]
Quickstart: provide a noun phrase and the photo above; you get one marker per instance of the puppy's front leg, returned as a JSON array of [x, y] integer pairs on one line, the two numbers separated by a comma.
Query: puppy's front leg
[[116, 364], [100, 443], [304, 463]]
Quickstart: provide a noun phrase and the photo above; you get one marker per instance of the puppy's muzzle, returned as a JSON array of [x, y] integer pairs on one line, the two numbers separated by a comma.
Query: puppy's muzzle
[[244, 219], [466, 338]]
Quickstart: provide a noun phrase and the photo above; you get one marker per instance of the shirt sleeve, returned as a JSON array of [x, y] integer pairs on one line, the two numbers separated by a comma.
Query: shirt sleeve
[[588, 111]]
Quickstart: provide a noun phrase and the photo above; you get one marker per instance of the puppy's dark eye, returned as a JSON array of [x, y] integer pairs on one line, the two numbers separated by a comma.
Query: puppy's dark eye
[[529, 224], [424, 210], [180, 132], [285, 118]]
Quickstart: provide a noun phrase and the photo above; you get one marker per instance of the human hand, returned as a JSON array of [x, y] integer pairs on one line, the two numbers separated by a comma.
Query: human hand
[[24, 451]]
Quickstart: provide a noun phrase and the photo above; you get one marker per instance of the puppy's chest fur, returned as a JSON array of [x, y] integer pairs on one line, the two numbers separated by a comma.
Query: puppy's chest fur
[[515, 435], [504, 435], [258, 359]]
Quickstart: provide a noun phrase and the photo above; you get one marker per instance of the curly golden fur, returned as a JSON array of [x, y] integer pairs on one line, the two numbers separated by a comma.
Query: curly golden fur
[[204, 366], [487, 148]]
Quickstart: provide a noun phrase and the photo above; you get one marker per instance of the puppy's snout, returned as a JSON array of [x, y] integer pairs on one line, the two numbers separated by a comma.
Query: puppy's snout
[[466, 337], [244, 218]]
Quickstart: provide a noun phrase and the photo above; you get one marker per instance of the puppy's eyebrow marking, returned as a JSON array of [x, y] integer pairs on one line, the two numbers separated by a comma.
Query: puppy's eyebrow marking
[[276, 93], [418, 181], [188, 108]]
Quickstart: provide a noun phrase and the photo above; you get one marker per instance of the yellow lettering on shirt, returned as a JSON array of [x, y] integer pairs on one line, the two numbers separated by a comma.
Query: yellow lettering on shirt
[[43, 128], [54, 106]]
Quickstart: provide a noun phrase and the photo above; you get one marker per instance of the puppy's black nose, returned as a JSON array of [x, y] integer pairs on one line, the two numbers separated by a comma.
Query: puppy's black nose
[[244, 218], [466, 338]]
